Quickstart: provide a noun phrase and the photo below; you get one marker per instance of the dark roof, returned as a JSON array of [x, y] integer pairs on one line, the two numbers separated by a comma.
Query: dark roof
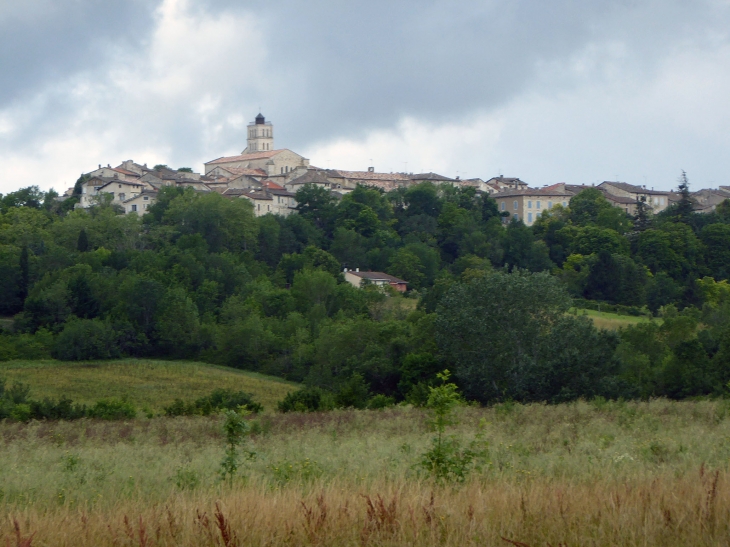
[[260, 119], [312, 176], [430, 176], [377, 276], [620, 199], [507, 180], [539, 192], [626, 187]]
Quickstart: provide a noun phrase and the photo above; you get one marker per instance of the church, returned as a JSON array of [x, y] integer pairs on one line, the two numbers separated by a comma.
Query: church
[[260, 154]]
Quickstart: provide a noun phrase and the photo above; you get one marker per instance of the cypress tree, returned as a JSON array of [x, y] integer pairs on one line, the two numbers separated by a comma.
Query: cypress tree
[[24, 273], [82, 245]]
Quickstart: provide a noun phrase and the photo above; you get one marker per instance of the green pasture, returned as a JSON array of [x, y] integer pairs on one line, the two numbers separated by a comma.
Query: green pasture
[[146, 383]]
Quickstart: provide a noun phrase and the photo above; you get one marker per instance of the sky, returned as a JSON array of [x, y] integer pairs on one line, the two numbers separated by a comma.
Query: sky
[[576, 91]]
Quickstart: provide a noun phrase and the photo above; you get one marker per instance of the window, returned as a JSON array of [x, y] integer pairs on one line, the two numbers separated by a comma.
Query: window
[[134, 208], [282, 170], [565, 204], [529, 204], [515, 205], [550, 204], [120, 186], [504, 206], [146, 198], [529, 217], [121, 197], [517, 217], [259, 206], [538, 204]]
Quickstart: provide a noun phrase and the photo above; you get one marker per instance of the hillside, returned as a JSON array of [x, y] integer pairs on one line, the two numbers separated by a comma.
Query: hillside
[[146, 383]]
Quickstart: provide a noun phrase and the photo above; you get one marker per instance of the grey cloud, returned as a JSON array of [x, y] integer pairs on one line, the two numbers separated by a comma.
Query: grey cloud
[[344, 68], [330, 69], [43, 41]]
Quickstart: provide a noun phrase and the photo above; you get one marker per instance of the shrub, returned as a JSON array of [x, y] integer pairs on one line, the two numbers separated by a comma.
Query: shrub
[[63, 409], [112, 409], [310, 399], [219, 399], [380, 401]]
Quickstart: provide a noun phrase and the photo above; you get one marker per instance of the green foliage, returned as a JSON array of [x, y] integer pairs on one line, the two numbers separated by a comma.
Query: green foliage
[[219, 399], [112, 409], [235, 431], [311, 399], [86, 339], [447, 459], [201, 277]]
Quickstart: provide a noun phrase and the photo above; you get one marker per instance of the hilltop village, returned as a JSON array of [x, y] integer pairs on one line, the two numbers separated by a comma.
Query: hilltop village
[[269, 178]]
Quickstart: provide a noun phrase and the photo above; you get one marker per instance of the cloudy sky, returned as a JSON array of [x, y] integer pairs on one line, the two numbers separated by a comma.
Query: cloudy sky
[[579, 91]]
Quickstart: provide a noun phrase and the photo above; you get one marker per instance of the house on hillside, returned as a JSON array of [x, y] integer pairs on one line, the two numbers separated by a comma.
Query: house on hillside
[[120, 189], [656, 200], [526, 205], [506, 183], [139, 203], [380, 279]]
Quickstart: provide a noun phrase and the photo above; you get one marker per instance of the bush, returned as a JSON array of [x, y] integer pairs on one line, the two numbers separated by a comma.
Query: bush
[[63, 409], [310, 399], [112, 409], [219, 399], [380, 401], [86, 339]]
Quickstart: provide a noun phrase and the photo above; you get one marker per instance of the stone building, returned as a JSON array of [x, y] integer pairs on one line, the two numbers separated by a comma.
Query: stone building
[[260, 154], [657, 200], [527, 205]]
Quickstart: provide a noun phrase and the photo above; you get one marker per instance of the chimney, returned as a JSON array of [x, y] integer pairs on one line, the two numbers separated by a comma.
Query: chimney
[[345, 270], [99, 166], [371, 169], [357, 270]]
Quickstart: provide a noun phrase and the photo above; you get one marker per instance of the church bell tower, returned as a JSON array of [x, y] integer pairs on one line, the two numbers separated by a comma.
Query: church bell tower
[[260, 136]]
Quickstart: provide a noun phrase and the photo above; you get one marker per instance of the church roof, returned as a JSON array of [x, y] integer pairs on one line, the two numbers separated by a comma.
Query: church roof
[[247, 157], [260, 119]]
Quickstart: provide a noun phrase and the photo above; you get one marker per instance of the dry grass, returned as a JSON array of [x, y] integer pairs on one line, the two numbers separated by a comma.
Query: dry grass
[[662, 511], [629, 474], [146, 383]]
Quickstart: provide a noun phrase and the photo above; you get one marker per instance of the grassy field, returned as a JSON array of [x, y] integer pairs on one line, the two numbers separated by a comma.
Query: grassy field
[[613, 321], [146, 383], [629, 474]]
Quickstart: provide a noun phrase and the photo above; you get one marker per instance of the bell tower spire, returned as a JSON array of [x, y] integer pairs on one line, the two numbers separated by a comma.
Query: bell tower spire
[[260, 136]]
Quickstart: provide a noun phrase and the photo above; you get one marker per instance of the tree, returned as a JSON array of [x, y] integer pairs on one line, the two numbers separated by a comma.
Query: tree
[[316, 204], [641, 219], [685, 207], [82, 244], [24, 273], [408, 266], [489, 330], [184, 169], [86, 339]]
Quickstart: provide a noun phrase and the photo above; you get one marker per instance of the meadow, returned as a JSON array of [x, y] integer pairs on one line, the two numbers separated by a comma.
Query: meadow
[[148, 384], [613, 321], [585, 473]]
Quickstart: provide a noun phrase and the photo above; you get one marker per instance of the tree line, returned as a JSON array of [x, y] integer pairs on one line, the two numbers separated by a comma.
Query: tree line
[[201, 277]]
